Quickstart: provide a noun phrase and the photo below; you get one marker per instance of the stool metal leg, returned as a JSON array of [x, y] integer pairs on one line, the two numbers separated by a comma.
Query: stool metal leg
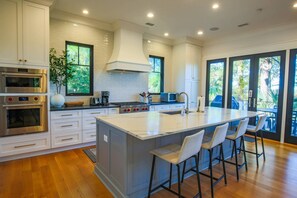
[[210, 168], [263, 145], [233, 150], [152, 175], [170, 176], [223, 159], [236, 161], [198, 175], [244, 153], [184, 169], [178, 180], [256, 144]]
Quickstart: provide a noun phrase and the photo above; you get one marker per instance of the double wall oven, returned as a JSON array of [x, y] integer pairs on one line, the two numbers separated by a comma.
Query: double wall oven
[[23, 101]]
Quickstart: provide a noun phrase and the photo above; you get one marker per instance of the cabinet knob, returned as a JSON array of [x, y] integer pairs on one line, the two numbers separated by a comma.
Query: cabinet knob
[[25, 60], [20, 60]]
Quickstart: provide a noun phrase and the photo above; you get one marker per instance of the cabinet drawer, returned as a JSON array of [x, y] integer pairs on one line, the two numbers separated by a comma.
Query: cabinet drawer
[[113, 111], [177, 106], [7, 149], [57, 115], [89, 123], [94, 112], [66, 139], [89, 135], [66, 125]]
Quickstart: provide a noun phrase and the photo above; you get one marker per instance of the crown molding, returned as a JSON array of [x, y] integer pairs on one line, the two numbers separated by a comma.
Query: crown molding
[[188, 40], [43, 2], [73, 18]]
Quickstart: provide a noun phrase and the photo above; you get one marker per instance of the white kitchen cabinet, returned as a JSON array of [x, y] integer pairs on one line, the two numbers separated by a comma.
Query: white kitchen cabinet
[[186, 62], [24, 143], [76, 126], [167, 107], [24, 35]]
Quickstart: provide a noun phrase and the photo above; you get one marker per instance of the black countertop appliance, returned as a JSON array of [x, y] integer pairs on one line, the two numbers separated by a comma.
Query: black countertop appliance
[[105, 97]]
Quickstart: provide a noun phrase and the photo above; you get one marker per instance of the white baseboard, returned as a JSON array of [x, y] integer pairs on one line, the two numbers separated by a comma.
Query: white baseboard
[[43, 152]]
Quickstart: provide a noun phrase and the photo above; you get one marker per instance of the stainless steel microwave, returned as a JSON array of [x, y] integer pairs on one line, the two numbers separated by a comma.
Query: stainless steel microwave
[[168, 97], [22, 80]]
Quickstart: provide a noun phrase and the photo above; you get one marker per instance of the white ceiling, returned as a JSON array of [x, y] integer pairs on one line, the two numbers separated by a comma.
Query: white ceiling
[[185, 17]]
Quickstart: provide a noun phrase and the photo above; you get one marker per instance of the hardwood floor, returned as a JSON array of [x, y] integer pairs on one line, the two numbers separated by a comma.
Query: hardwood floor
[[70, 174]]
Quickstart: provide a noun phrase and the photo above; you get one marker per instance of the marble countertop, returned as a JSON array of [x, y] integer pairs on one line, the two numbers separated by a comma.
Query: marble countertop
[[148, 125]]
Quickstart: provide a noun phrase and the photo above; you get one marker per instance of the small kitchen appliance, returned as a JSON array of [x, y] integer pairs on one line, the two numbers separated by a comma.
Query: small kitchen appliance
[[94, 101], [168, 97], [105, 98]]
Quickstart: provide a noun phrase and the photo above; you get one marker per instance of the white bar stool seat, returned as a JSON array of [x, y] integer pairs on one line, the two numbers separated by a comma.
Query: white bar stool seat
[[176, 154], [255, 130]]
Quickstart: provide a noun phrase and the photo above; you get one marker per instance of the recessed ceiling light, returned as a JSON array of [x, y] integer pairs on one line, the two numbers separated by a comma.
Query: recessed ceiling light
[[295, 5], [215, 6], [166, 34], [150, 15], [75, 25], [148, 41], [200, 32], [85, 11]]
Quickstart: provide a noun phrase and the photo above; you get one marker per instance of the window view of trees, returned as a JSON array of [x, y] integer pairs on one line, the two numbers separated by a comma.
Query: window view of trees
[[240, 83], [155, 80], [216, 83], [80, 56]]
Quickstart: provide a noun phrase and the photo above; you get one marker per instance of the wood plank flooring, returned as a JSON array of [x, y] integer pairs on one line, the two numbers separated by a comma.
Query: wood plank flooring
[[70, 174]]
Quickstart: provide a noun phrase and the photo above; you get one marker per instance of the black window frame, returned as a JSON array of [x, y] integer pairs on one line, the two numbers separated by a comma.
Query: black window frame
[[161, 73], [208, 63], [91, 68]]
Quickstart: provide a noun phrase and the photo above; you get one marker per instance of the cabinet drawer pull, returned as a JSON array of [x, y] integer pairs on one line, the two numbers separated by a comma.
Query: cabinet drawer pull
[[93, 135], [66, 139], [66, 115], [93, 123], [70, 125], [26, 145], [96, 113]]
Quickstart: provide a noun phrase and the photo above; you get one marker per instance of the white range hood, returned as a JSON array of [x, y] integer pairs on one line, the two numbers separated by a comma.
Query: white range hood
[[127, 52]]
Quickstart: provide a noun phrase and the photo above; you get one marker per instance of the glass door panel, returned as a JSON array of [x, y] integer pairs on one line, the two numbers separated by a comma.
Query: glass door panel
[[239, 85], [215, 83], [291, 118], [268, 90]]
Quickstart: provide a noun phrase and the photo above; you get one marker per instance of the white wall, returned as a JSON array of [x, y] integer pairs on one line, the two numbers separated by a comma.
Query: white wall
[[122, 86], [269, 40]]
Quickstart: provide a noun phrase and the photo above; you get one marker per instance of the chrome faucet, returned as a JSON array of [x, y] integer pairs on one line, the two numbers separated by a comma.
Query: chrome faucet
[[187, 96]]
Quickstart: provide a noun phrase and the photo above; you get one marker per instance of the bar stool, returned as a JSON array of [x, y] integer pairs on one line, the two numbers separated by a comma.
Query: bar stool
[[176, 154], [233, 136], [255, 130], [217, 139]]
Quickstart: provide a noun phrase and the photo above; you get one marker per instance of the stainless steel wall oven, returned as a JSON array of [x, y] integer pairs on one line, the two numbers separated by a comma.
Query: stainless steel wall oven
[[23, 115], [22, 80]]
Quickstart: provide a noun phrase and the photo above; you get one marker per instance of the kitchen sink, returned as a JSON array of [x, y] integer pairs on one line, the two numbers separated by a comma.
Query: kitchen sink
[[174, 112]]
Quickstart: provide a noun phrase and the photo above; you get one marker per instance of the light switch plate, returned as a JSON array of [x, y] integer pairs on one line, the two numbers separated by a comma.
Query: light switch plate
[[105, 138]]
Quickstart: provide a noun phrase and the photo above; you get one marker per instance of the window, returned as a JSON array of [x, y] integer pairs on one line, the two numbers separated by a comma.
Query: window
[[156, 77], [81, 58], [215, 82]]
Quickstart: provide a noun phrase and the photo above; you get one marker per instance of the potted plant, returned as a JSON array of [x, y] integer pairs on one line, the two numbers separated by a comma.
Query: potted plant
[[60, 71]]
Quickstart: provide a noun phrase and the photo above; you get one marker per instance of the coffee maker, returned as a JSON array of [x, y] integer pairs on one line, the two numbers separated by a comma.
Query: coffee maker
[[105, 98]]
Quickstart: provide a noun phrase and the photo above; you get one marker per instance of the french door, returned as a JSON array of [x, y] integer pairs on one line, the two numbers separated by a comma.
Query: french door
[[291, 114], [256, 83]]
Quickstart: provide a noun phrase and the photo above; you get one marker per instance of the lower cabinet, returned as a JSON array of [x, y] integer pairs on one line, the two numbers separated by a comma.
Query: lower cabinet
[[24, 144], [168, 107], [79, 126]]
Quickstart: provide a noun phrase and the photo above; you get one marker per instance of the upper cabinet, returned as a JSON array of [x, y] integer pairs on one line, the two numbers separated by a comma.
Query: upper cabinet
[[24, 34]]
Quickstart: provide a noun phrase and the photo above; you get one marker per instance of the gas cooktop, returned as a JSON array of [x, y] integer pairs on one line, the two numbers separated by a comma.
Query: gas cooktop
[[131, 107]]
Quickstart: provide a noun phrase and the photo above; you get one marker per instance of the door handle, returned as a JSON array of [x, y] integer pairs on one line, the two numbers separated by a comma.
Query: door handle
[[254, 102], [250, 101]]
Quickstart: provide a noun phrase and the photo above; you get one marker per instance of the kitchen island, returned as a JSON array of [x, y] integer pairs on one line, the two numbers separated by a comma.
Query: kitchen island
[[124, 141]]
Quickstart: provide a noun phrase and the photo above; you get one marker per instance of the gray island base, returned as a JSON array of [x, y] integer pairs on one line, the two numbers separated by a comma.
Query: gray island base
[[124, 142]]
